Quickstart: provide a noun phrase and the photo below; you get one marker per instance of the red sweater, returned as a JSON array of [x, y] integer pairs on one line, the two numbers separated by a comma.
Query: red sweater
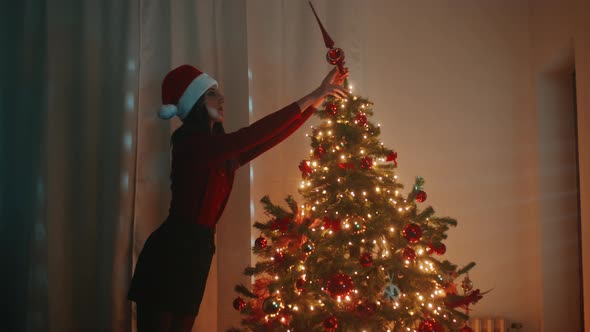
[[203, 165]]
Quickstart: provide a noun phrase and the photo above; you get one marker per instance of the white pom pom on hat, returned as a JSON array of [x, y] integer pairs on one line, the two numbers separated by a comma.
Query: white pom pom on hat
[[167, 111], [181, 89]]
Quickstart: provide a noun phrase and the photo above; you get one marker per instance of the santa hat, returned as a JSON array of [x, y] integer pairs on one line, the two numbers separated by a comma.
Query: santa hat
[[181, 89]]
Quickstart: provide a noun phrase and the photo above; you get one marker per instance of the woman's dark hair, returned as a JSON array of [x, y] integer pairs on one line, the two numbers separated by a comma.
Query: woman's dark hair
[[197, 122]]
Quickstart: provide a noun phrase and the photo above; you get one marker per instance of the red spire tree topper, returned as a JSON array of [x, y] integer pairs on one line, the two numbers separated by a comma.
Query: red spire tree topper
[[335, 55]]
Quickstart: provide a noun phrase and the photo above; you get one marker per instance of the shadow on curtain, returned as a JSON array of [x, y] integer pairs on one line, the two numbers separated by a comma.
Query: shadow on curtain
[[67, 153], [22, 119]]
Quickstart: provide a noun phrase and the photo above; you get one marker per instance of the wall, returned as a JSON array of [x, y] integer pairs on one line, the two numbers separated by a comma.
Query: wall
[[449, 80], [560, 43]]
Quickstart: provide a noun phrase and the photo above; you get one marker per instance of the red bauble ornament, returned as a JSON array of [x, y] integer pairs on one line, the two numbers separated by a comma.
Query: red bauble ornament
[[420, 196], [340, 285], [335, 56], [430, 249], [437, 248], [430, 325], [300, 284], [412, 232], [239, 303], [260, 242], [279, 257], [466, 329], [319, 152], [366, 260], [331, 109], [409, 254], [366, 163], [331, 323], [360, 119]]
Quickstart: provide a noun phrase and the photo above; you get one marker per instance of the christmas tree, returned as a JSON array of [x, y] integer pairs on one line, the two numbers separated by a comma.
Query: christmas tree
[[357, 254]]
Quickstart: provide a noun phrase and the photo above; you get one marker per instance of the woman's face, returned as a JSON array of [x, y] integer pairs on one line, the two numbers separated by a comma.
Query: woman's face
[[214, 102]]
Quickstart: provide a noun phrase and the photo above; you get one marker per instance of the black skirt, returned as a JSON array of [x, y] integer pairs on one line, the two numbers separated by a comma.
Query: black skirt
[[173, 266]]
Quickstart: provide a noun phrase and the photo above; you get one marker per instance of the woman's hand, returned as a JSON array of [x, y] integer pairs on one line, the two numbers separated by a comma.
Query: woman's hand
[[335, 76], [330, 86]]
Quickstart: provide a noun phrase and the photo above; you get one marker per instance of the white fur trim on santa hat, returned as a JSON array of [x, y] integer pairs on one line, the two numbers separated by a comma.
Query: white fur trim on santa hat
[[167, 111], [193, 92]]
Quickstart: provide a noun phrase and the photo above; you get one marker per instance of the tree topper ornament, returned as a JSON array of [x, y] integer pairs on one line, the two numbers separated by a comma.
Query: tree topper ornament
[[335, 55]]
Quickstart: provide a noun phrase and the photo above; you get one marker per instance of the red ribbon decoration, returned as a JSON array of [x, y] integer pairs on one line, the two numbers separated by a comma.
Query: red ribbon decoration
[[471, 298], [281, 224], [349, 165], [305, 169], [392, 156], [334, 224]]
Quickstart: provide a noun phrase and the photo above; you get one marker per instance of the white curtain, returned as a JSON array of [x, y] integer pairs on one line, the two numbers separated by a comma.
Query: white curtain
[[90, 151]]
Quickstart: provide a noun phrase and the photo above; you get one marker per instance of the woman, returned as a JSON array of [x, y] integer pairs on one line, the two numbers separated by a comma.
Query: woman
[[171, 272]]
